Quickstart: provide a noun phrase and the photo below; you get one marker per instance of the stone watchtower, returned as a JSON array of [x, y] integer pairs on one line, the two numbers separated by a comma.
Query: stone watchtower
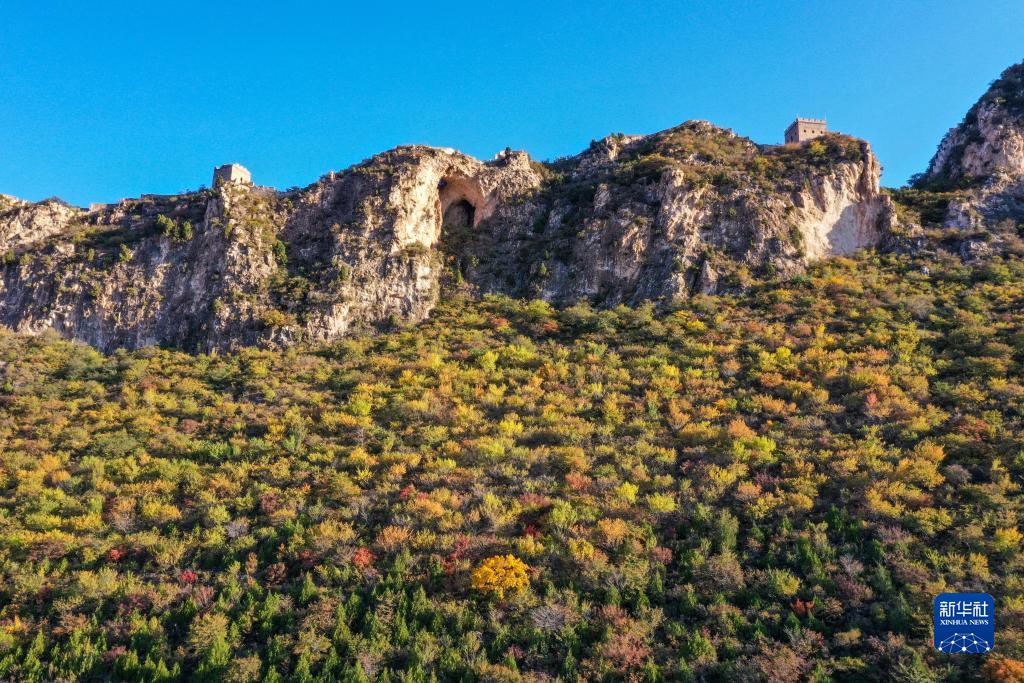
[[232, 173], [803, 130]]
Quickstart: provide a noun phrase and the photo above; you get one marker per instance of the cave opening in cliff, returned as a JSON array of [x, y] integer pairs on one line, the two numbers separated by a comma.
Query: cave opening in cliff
[[461, 206], [458, 215]]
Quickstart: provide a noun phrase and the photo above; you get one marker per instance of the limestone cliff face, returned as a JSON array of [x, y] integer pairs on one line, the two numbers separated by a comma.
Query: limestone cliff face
[[23, 223], [990, 140], [113, 279], [692, 209], [982, 160], [364, 243], [842, 212]]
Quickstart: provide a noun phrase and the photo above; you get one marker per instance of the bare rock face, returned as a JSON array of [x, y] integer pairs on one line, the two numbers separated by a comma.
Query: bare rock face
[[695, 209], [366, 241], [992, 144], [843, 212], [982, 162], [23, 224], [989, 142], [691, 209]]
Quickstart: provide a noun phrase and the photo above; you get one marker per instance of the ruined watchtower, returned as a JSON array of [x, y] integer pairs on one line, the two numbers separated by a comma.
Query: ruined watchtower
[[232, 173], [803, 130]]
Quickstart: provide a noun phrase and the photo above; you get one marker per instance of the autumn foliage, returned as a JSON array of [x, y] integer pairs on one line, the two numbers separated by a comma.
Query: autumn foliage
[[767, 486], [501, 574]]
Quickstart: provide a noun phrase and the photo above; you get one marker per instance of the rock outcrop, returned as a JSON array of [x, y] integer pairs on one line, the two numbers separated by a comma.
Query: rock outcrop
[[982, 160], [23, 224], [694, 209], [691, 209], [989, 141]]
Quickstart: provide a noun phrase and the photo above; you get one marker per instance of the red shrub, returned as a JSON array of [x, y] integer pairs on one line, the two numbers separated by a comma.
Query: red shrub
[[363, 558]]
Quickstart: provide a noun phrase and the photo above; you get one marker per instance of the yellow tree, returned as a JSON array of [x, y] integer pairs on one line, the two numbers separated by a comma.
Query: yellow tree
[[501, 573]]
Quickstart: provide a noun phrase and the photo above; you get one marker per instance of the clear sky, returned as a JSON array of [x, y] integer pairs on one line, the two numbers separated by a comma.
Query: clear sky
[[100, 101]]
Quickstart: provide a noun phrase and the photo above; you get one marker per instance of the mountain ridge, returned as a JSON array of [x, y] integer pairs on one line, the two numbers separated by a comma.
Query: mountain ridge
[[630, 219], [693, 209]]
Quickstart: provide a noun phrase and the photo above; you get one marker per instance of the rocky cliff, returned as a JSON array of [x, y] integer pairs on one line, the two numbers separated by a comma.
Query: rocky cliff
[[692, 209], [980, 163], [990, 140]]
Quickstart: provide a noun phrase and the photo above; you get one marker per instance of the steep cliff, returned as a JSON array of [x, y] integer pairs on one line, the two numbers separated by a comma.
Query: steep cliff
[[23, 224], [980, 164], [990, 140], [691, 209]]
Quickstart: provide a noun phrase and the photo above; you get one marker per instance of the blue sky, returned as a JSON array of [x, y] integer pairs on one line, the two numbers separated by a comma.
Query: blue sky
[[100, 101]]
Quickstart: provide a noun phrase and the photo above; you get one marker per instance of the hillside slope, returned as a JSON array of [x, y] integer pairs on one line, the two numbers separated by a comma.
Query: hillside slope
[[771, 483], [764, 487]]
